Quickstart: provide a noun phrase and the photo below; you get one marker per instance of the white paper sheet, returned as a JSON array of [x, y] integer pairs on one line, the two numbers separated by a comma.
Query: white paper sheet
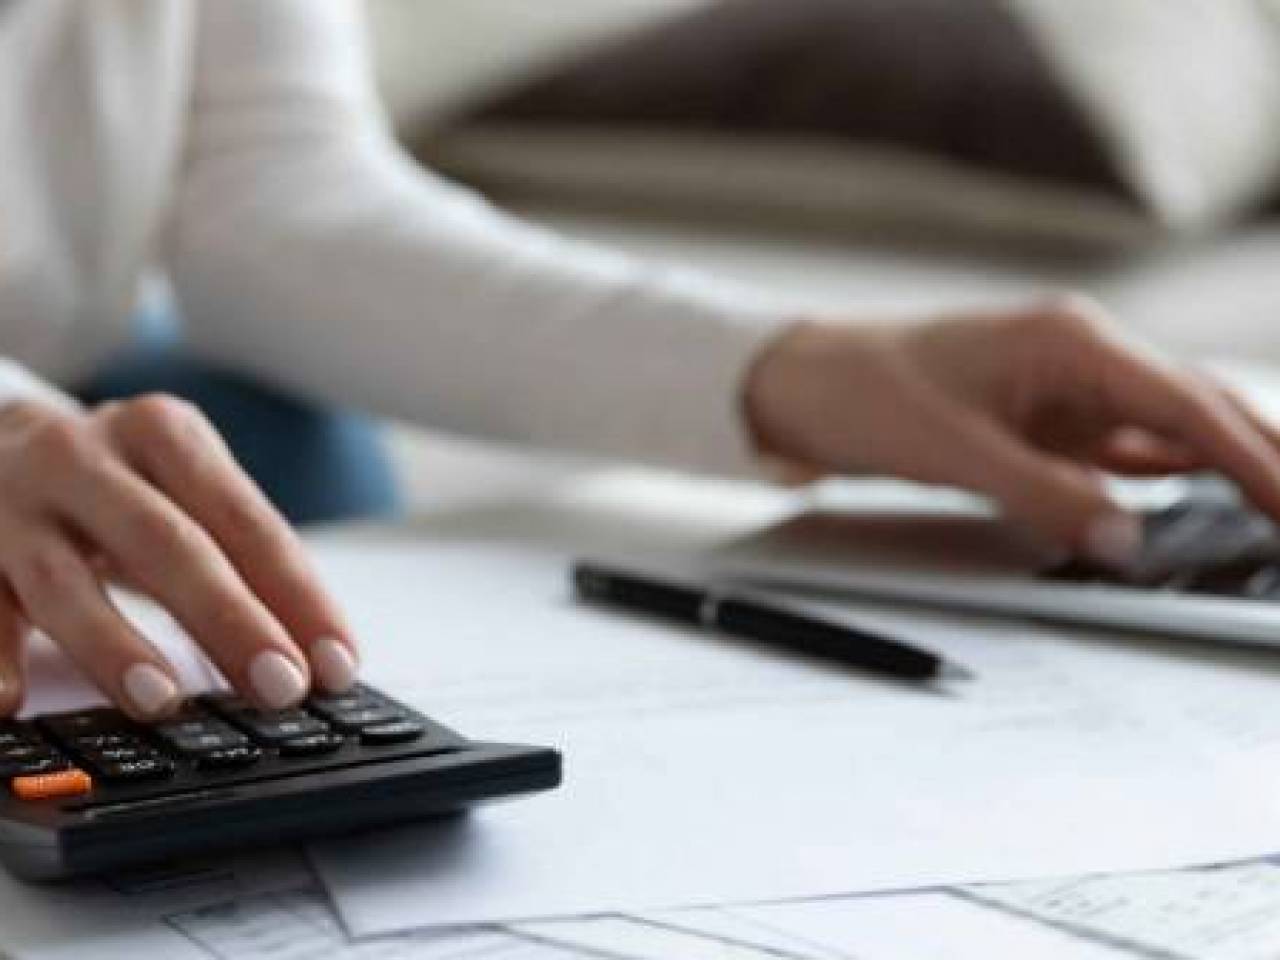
[[298, 925], [699, 771], [249, 908], [924, 926], [121, 917], [636, 939], [1228, 913], [725, 924]]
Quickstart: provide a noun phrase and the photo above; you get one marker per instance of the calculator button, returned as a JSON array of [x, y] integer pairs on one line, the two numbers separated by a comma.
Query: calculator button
[[275, 728], [338, 705], [154, 767], [13, 734], [269, 727], [48, 762], [86, 722], [214, 740], [311, 746], [351, 700], [329, 703], [196, 732], [102, 741], [398, 731], [23, 751], [354, 721], [191, 727], [121, 754], [183, 728], [228, 758], [46, 786]]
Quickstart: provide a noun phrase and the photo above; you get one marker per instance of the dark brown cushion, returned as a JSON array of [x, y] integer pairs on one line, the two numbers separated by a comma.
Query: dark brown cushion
[[960, 80]]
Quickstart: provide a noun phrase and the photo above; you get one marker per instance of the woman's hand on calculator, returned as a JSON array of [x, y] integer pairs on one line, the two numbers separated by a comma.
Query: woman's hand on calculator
[[144, 492], [1027, 407]]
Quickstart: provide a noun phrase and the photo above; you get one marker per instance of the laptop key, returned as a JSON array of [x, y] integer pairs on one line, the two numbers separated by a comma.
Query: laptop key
[[1205, 538], [1228, 579], [1264, 584]]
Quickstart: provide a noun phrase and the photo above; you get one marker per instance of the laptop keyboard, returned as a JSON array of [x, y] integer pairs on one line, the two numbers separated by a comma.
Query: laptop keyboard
[[1213, 546]]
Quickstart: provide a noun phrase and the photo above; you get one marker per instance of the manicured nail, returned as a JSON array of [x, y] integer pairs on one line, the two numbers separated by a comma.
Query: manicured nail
[[334, 665], [149, 689], [1114, 538], [276, 681]]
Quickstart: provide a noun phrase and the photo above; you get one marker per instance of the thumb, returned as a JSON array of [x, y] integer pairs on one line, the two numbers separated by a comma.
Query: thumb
[[1064, 502]]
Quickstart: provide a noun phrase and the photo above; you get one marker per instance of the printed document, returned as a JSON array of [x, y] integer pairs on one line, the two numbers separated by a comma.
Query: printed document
[[700, 770], [1227, 913]]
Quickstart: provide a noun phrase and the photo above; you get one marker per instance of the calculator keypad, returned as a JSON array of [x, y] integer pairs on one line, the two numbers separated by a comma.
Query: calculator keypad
[[215, 734]]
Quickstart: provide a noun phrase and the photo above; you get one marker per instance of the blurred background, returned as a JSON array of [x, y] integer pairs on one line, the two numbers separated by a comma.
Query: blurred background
[[883, 158]]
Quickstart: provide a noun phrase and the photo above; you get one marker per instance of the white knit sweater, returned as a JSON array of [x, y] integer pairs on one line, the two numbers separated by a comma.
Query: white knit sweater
[[237, 147]]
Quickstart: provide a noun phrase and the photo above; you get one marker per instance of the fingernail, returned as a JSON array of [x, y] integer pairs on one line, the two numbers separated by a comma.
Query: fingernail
[[149, 689], [1114, 538], [334, 665], [276, 681]]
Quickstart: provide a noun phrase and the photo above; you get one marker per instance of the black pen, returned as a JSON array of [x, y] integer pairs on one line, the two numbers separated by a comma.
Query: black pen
[[761, 621]]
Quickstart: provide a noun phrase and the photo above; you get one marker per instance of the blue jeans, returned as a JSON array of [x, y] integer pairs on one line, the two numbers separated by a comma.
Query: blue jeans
[[316, 465]]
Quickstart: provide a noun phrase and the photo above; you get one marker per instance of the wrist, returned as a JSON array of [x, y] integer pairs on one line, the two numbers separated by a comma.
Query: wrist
[[779, 383]]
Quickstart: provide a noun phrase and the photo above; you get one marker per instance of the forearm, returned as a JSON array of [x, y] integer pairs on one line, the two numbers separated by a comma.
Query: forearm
[[307, 249]]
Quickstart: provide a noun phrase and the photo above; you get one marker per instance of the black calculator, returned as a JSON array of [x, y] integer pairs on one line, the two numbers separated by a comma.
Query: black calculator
[[92, 790]]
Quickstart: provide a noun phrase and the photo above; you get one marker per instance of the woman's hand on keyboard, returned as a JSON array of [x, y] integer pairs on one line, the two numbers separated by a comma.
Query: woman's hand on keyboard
[[145, 492], [1028, 407]]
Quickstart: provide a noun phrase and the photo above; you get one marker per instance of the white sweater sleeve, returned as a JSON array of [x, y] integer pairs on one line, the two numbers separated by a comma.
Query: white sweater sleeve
[[307, 249], [19, 383]]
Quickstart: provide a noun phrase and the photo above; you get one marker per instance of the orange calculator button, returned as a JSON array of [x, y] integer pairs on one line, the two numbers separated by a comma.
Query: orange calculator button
[[46, 786]]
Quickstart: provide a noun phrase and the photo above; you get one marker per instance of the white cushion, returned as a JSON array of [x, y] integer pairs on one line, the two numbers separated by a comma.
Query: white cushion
[[1186, 91]]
